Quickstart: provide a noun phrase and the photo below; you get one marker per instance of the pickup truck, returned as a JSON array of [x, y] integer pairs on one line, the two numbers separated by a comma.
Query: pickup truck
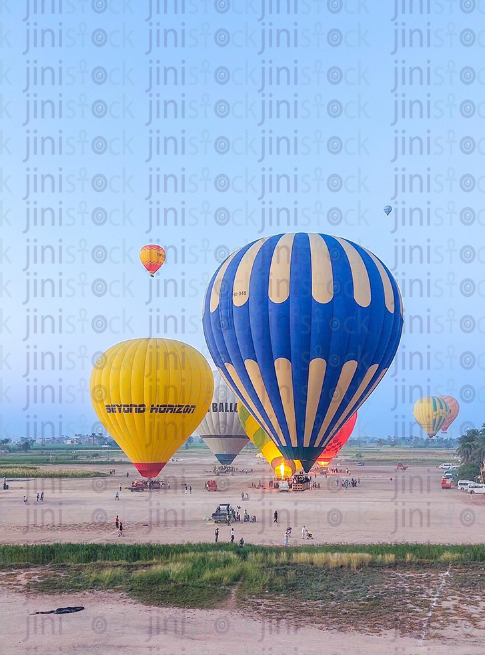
[[224, 514]]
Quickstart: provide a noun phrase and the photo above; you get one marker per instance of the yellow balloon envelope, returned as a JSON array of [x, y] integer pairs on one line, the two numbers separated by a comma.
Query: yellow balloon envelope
[[152, 257], [283, 468], [431, 412], [151, 394]]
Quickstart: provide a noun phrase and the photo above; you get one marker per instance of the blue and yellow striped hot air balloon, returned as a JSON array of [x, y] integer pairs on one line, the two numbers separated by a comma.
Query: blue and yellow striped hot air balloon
[[303, 327]]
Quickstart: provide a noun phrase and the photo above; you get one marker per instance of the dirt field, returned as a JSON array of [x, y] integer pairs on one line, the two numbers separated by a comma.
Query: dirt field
[[112, 623], [412, 507]]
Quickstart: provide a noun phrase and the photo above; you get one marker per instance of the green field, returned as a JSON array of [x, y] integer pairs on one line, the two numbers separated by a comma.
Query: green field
[[34, 472]]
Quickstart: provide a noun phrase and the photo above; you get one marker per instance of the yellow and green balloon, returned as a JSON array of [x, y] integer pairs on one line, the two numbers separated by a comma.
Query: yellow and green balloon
[[431, 413]]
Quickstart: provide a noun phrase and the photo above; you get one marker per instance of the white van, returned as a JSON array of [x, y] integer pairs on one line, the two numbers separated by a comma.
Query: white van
[[463, 484], [445, 466], [476, 488], [284, 486]]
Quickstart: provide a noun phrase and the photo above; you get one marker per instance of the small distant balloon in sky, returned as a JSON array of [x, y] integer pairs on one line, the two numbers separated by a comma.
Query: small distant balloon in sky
[[388, 209]]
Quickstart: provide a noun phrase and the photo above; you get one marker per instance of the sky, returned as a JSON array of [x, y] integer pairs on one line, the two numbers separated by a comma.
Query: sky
[[74, 286]]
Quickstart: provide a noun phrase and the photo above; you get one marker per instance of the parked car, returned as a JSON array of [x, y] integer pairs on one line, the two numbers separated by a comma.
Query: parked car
[[450, 474], [224, 514], [476, 488], [446, 483], [463, 484], [444, 466], [284, 485]]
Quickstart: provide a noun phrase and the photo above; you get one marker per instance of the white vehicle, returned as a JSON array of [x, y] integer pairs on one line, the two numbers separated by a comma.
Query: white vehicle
[[283, 485], [476, 488], [445, 466], [463, 484]]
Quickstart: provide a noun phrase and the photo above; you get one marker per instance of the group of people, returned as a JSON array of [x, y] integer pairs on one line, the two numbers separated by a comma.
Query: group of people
[[40, 496], [119, 526], [350, 483], [231, 537]]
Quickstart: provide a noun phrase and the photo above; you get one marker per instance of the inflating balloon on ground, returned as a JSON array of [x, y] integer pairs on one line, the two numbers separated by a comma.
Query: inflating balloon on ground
[[221, 428], [337, 442], [282, 468]]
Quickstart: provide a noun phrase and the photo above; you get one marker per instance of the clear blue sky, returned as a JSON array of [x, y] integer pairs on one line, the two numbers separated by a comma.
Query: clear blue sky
[[100, 259]]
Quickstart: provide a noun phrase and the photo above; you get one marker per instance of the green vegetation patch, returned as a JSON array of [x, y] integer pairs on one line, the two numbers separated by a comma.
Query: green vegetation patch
[[35, 472]]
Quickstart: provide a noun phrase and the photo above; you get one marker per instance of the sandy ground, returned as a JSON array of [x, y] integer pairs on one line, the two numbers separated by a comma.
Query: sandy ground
[[112, 623], [412, 507]]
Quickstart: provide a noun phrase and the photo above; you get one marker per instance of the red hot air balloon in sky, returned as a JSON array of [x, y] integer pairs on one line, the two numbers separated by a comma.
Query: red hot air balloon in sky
[[338, 441]]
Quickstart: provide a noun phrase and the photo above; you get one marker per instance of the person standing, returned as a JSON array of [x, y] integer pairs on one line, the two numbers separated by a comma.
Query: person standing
[[42, 497], [275, 516], [25, 499], [216, 535], [303, 532], [232, 535], [38, 496], [121, 529], [117, 522], [190, 489], [286, 538], [117, 495]]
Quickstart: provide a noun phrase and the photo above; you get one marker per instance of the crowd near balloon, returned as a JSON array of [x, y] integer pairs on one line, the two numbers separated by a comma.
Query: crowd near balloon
[[301, 328]]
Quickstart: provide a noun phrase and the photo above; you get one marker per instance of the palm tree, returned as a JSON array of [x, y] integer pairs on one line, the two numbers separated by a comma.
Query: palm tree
[[467, 445]]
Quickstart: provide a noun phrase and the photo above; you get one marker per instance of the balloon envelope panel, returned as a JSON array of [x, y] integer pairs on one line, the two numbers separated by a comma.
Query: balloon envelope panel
[[150, 394], [303, 327]]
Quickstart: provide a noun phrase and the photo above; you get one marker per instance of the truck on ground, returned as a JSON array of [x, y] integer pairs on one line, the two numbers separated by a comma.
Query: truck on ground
[[224, 513]]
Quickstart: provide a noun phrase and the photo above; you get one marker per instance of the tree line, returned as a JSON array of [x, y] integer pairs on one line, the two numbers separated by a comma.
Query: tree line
[[471, 450]]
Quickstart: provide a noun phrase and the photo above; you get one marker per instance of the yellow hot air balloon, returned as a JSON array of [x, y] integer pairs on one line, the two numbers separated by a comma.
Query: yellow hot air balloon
[[283, 468], [152, 257], [151, 394], [431, 413]]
